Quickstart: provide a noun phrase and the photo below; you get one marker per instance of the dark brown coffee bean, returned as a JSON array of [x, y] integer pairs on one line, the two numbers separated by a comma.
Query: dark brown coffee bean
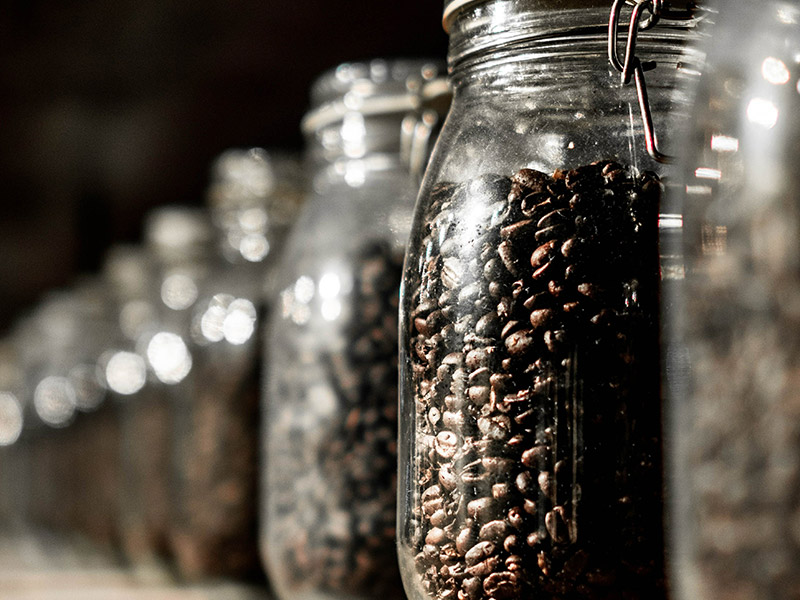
[[520, 342], [510, 261], [543, 254], [531, 179], [435, 537], [511, 543], [493, 531], [556, 217], [501, 586], [542, 317], [479, 552], [465, 540], [481, 509], [554, 232]]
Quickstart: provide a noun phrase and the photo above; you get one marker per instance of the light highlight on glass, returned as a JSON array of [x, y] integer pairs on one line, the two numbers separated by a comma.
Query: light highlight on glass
[[254, 247], [304, 289], [331, 309], [724, 143], [126, 373], [54, 401], [774, 71], [178, 291], [10, 419], [169, 357], [329, 285], [762, 112], [707, 173], [239, 323]]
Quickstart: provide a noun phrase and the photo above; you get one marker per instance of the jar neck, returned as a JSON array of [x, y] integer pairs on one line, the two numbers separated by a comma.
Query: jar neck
[[498, 42], [355, 137]]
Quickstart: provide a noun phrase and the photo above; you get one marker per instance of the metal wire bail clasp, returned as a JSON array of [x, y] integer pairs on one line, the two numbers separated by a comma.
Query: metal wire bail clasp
[[631, 65]]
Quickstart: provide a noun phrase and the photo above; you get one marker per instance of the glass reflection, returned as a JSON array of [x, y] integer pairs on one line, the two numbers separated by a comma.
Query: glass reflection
[[10, 419], [54, 401], [169, 357], [126, 373]]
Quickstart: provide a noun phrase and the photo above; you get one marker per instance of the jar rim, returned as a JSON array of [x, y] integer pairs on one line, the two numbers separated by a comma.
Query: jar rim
[[453, 7]]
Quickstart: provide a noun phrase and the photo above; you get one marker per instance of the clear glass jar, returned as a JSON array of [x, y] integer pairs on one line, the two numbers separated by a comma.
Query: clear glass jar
[[330, 400], [15, 479], [73, 466], [178, 241], [530, 433], [143, 499], [734, 416], [253, 198]]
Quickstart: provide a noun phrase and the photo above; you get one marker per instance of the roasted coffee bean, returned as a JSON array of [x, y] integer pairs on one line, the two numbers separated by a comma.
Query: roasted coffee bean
[[550, 378]]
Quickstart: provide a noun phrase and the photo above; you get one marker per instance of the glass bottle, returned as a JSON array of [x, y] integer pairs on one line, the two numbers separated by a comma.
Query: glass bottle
[[734, 414], [530, 432], [253, 198], [330, 400]]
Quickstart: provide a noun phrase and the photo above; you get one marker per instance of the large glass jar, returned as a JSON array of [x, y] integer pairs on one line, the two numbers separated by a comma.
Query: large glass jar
[[330, 399], [735, 409], [530, 436], [253, 198]]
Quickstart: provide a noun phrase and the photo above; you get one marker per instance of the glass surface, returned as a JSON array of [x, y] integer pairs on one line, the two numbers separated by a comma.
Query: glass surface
[[734, 344], [530, 434]]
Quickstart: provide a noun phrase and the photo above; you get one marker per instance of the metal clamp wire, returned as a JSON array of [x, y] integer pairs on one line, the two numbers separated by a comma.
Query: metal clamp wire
[[632, 66]]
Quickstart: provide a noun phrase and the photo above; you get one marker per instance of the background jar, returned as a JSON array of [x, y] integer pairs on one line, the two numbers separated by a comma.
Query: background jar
[[330, 403], [530, 437], [734, 409], [130, 272], [253, 198]]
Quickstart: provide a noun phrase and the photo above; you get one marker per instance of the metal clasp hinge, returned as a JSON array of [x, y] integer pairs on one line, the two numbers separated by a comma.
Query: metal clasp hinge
[[631, 66]]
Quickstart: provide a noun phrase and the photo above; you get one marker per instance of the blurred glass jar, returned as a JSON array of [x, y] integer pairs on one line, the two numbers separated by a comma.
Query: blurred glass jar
[[530, 435], [74, 471], [253, 198], [144, 451], [178, 244], [330, 399], [13, 458], [736, 456]]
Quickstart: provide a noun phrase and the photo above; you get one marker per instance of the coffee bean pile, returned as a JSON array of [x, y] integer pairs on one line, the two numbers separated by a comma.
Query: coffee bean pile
[[334, 445], [535, 372]]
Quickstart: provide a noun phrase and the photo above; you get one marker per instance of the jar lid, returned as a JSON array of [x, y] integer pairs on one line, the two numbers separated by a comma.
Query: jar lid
[[371, 88]]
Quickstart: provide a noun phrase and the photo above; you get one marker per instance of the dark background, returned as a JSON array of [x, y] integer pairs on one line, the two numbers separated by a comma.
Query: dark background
[[108, 109]]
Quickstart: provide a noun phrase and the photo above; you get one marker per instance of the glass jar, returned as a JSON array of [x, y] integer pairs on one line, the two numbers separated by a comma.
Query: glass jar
[[330, 400], [73, 467], [530, 435], [253, 198], [178, 244], [736, 460], [143, 415], [14, 481]]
